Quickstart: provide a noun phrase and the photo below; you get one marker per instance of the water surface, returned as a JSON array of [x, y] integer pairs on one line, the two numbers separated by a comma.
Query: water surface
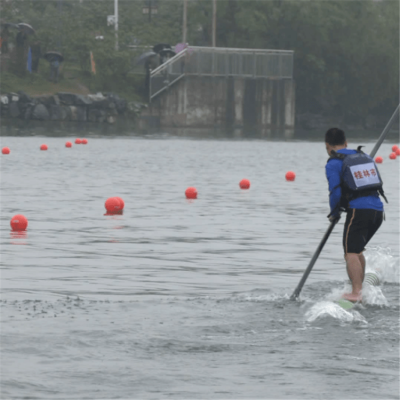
[[185, 298]]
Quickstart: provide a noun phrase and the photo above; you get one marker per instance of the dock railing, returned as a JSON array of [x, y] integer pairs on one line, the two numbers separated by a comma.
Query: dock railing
[[167, 74], [217, 61]]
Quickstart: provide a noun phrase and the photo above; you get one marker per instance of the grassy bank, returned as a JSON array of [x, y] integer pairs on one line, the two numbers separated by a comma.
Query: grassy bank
[[73, 80]]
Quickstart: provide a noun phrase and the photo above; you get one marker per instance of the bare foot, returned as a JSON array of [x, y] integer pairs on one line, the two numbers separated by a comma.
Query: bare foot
[[352, 297]]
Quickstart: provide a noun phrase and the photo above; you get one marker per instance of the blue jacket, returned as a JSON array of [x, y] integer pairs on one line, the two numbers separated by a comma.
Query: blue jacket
[[333, 171]]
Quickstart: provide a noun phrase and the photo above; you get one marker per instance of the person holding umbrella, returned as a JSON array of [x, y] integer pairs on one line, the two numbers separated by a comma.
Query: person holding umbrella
[[36, 53], [21, 52], [149, 59], [4, 35], [55, 59], [54, 68], [164, 51], [22, 46], [165, 55]]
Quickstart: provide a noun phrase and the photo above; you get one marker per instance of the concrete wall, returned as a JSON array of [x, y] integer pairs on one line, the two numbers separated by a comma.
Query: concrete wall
[[225, 103]]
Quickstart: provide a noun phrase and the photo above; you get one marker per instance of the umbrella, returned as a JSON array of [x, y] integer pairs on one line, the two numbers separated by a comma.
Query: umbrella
[[7, 25], [167, 53], [161, 46], [142, 59], [180, 46], [26, 27], [53, 55]]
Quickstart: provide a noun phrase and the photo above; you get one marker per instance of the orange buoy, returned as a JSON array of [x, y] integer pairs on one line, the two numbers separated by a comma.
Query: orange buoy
[[394, 148], [43, 147], [244, 184], [392, 156], [290, 176], [78, 141], [5, 150], [68, 144], [121, 202], [379, 160], [113, 205], [18, 222], [397, 152], [84, 141], [191, 193]]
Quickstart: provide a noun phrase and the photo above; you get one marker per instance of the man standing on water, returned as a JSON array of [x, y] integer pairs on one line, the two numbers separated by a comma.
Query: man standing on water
[[364, 207]]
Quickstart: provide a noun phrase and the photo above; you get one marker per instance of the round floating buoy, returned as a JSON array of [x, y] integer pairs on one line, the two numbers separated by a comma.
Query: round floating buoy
[[290, 176], [379, 160], [392, 156], [43, 147], [84, 141], [244, 184], [5, 150], [113, 205], [68, 144], [397, 152], [394, 148], [121, 202], [18, 222], [191, 193], [78, 141]]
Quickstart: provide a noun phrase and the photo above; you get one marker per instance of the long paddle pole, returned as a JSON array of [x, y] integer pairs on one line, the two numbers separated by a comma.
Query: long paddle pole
[[385, 131], [297, 291]]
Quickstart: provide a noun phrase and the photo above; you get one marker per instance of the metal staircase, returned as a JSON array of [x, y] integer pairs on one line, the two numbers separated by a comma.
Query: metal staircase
[[217, 61]]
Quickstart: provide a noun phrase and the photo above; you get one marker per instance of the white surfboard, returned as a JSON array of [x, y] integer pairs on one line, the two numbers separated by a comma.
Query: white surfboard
[[371, 278]]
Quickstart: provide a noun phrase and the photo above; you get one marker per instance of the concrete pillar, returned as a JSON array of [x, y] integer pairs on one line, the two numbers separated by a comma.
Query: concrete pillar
[[238, 93], [289, 97], [268, 104]]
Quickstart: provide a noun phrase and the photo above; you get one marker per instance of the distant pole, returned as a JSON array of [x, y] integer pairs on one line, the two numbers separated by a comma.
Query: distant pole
[[214, 23], [116, 23], [184, 27], [60, 27], [150, 10]]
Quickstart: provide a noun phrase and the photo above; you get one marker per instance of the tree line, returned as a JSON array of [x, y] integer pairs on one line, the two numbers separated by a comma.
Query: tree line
[[346, 53]]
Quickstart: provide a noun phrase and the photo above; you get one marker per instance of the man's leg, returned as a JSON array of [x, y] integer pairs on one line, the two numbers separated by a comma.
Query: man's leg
[[360, 227], [355, 264], [362, 261], [353, 245]]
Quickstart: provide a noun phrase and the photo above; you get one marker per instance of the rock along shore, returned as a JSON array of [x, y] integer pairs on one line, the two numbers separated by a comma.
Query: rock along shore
[[67, 107]]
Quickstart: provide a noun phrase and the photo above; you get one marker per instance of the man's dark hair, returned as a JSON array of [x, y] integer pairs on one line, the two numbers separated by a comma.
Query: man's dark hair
[[335, 137]]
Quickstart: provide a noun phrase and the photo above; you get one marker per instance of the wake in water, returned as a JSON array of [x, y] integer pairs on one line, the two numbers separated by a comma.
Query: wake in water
[[326, 309], [381, 263]]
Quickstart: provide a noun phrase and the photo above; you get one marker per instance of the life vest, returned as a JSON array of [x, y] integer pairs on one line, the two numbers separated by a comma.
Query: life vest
[[359, 178]]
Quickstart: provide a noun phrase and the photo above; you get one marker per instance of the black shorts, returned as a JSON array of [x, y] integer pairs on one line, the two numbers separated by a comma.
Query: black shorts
[[359, 228]]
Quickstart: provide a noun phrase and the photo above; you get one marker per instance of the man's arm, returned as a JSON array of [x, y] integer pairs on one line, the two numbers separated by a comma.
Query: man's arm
[[333, 171]]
